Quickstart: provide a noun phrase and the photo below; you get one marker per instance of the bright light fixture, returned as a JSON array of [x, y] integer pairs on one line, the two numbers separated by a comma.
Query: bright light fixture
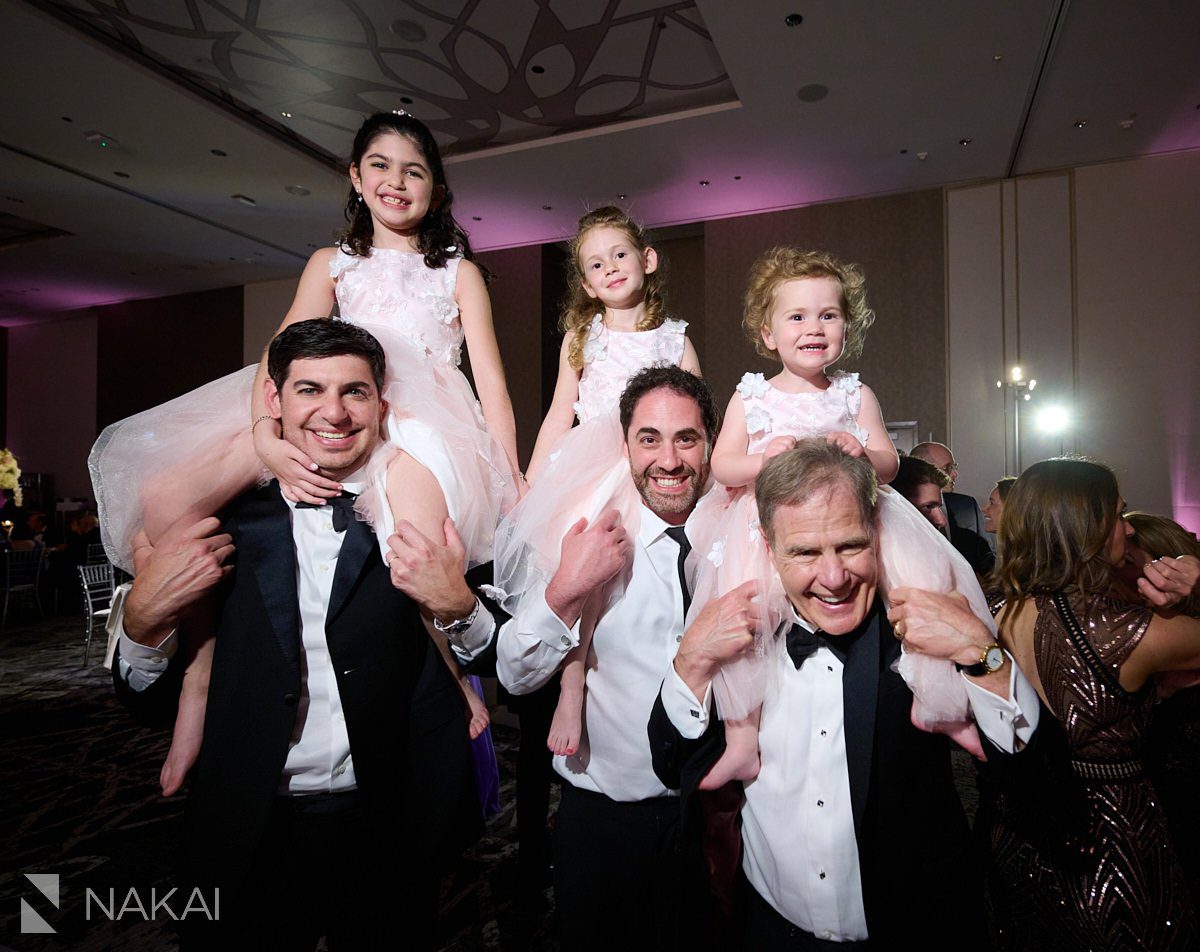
[[1053, 418]]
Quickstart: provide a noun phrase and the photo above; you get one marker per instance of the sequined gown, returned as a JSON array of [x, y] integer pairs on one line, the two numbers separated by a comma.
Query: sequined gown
[[1106, 877]]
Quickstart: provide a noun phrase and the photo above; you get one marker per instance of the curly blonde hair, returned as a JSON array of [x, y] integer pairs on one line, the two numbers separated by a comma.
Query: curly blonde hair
[[579, 308], [782, 264]]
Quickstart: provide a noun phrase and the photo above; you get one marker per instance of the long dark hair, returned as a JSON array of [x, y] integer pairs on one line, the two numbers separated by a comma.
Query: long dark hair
[[439, 236]]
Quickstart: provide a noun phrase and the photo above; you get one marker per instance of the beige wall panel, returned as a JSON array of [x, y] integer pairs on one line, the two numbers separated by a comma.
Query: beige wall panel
[[264, 306]]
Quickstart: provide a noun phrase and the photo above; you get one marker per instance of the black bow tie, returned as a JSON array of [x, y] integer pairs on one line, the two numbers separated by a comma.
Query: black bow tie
[[801, 642], [341, 507]]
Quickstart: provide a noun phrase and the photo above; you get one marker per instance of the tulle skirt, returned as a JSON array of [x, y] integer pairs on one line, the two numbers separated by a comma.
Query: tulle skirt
[[585, 474], [194, 454], [729, 549]]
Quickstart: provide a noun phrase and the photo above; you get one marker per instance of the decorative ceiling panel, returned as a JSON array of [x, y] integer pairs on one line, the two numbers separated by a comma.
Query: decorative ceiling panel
[[481, 73]]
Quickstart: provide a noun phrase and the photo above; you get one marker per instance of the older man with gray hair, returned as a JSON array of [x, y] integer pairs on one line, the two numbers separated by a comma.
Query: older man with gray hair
[[852, 832]]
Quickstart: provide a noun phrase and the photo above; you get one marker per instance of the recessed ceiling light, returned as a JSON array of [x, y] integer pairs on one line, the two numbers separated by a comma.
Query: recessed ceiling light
[[1080, 123], [537, 69], [99, 138], [220, 153], [66, 119], [298, 190], [476, 218], [922, 156], [621, 196], [813, 92], [547, 208], [965, 140], [704, 183], [997, 58], [737, 178], [904, 151], [121, 174], [793, 19], [407, 100], [408, 31], [245, 200], [286, 115]]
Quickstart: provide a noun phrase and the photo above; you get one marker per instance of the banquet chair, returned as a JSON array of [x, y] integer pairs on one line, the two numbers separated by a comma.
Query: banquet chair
[[96, 554], [97, 583], [21, 571]]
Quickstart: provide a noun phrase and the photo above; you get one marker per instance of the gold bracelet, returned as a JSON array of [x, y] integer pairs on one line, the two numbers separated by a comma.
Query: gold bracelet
[[265, 416]]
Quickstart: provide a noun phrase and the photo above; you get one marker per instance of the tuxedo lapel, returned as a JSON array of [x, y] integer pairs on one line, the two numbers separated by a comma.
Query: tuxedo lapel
[[860, 693], [358, 546], [265, 542]]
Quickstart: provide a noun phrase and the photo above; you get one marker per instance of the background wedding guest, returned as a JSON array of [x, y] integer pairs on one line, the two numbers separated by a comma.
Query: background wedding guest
[[962, 510], [995, 504], [921, 483]]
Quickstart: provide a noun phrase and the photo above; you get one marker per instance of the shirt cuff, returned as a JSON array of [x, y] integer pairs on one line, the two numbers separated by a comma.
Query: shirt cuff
[[468, 644], [141, 665], [689, 716], [540, 619], [1008, 723]]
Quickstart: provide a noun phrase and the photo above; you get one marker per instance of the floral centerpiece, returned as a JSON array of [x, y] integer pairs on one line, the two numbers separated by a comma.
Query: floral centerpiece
[[10, 475]]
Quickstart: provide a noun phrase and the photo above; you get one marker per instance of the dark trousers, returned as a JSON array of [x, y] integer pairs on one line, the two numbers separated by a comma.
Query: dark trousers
[[617, 872], [766, 929], [535, 771], [322, 869]]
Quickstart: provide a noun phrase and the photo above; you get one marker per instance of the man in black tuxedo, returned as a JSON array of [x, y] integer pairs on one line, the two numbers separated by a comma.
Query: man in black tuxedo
[[923, 484], [334, 775], [852, 831]]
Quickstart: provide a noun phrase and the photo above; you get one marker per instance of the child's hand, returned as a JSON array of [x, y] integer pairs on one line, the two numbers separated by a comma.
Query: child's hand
[[780, 444], [296, 473], [846, 442]]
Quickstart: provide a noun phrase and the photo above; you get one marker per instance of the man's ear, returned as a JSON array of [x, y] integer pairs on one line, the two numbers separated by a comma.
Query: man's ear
[[649, 260], [271, 395]]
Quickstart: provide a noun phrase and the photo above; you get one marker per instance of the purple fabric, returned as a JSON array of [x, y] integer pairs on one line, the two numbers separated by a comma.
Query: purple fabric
[[487, 771]]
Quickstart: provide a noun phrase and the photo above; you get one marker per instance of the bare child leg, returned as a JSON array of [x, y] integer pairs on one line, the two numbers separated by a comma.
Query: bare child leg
[[217, 473], [566, 728], [740, 759], [414, 496], [189, 719]]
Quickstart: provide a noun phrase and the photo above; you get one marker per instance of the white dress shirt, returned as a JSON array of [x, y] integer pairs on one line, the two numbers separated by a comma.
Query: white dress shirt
[[634, 642], [801, 853], [319, 759]]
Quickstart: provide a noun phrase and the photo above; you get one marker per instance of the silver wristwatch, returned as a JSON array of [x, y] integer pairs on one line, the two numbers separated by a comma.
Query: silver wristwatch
[[460, 625]]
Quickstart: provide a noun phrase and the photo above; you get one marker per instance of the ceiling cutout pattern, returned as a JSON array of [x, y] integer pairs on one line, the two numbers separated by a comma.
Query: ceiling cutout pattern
[[480, 73]]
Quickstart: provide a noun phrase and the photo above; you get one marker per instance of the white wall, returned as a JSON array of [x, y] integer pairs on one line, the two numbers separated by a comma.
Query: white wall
[[1088, 280], [52, 400]]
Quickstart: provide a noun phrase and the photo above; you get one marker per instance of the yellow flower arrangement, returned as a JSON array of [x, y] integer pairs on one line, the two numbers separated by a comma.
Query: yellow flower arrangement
[[10, 475]]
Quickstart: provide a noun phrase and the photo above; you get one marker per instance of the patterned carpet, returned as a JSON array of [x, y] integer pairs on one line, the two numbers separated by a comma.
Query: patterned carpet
[[79, 781]]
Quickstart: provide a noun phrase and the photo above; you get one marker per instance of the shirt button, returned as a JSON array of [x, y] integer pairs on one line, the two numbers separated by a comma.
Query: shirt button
[[678, 638], [566, 639], [820, 803], [324, 566], [156, 660], [823, 733], [822, 874], [828, 667], [341, 769]]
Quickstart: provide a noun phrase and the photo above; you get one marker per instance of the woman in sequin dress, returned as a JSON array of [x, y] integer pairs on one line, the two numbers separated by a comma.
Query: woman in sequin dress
[[1084, 861]]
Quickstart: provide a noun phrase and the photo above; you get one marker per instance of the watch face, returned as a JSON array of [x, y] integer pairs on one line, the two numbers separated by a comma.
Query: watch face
[[994, 659]]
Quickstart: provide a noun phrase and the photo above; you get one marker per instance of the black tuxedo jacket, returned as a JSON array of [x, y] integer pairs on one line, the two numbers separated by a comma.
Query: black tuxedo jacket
[[919, 880], [404, 714]]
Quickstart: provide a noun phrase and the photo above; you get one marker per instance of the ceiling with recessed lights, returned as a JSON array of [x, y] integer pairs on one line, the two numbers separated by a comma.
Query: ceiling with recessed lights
[[176, 145]]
